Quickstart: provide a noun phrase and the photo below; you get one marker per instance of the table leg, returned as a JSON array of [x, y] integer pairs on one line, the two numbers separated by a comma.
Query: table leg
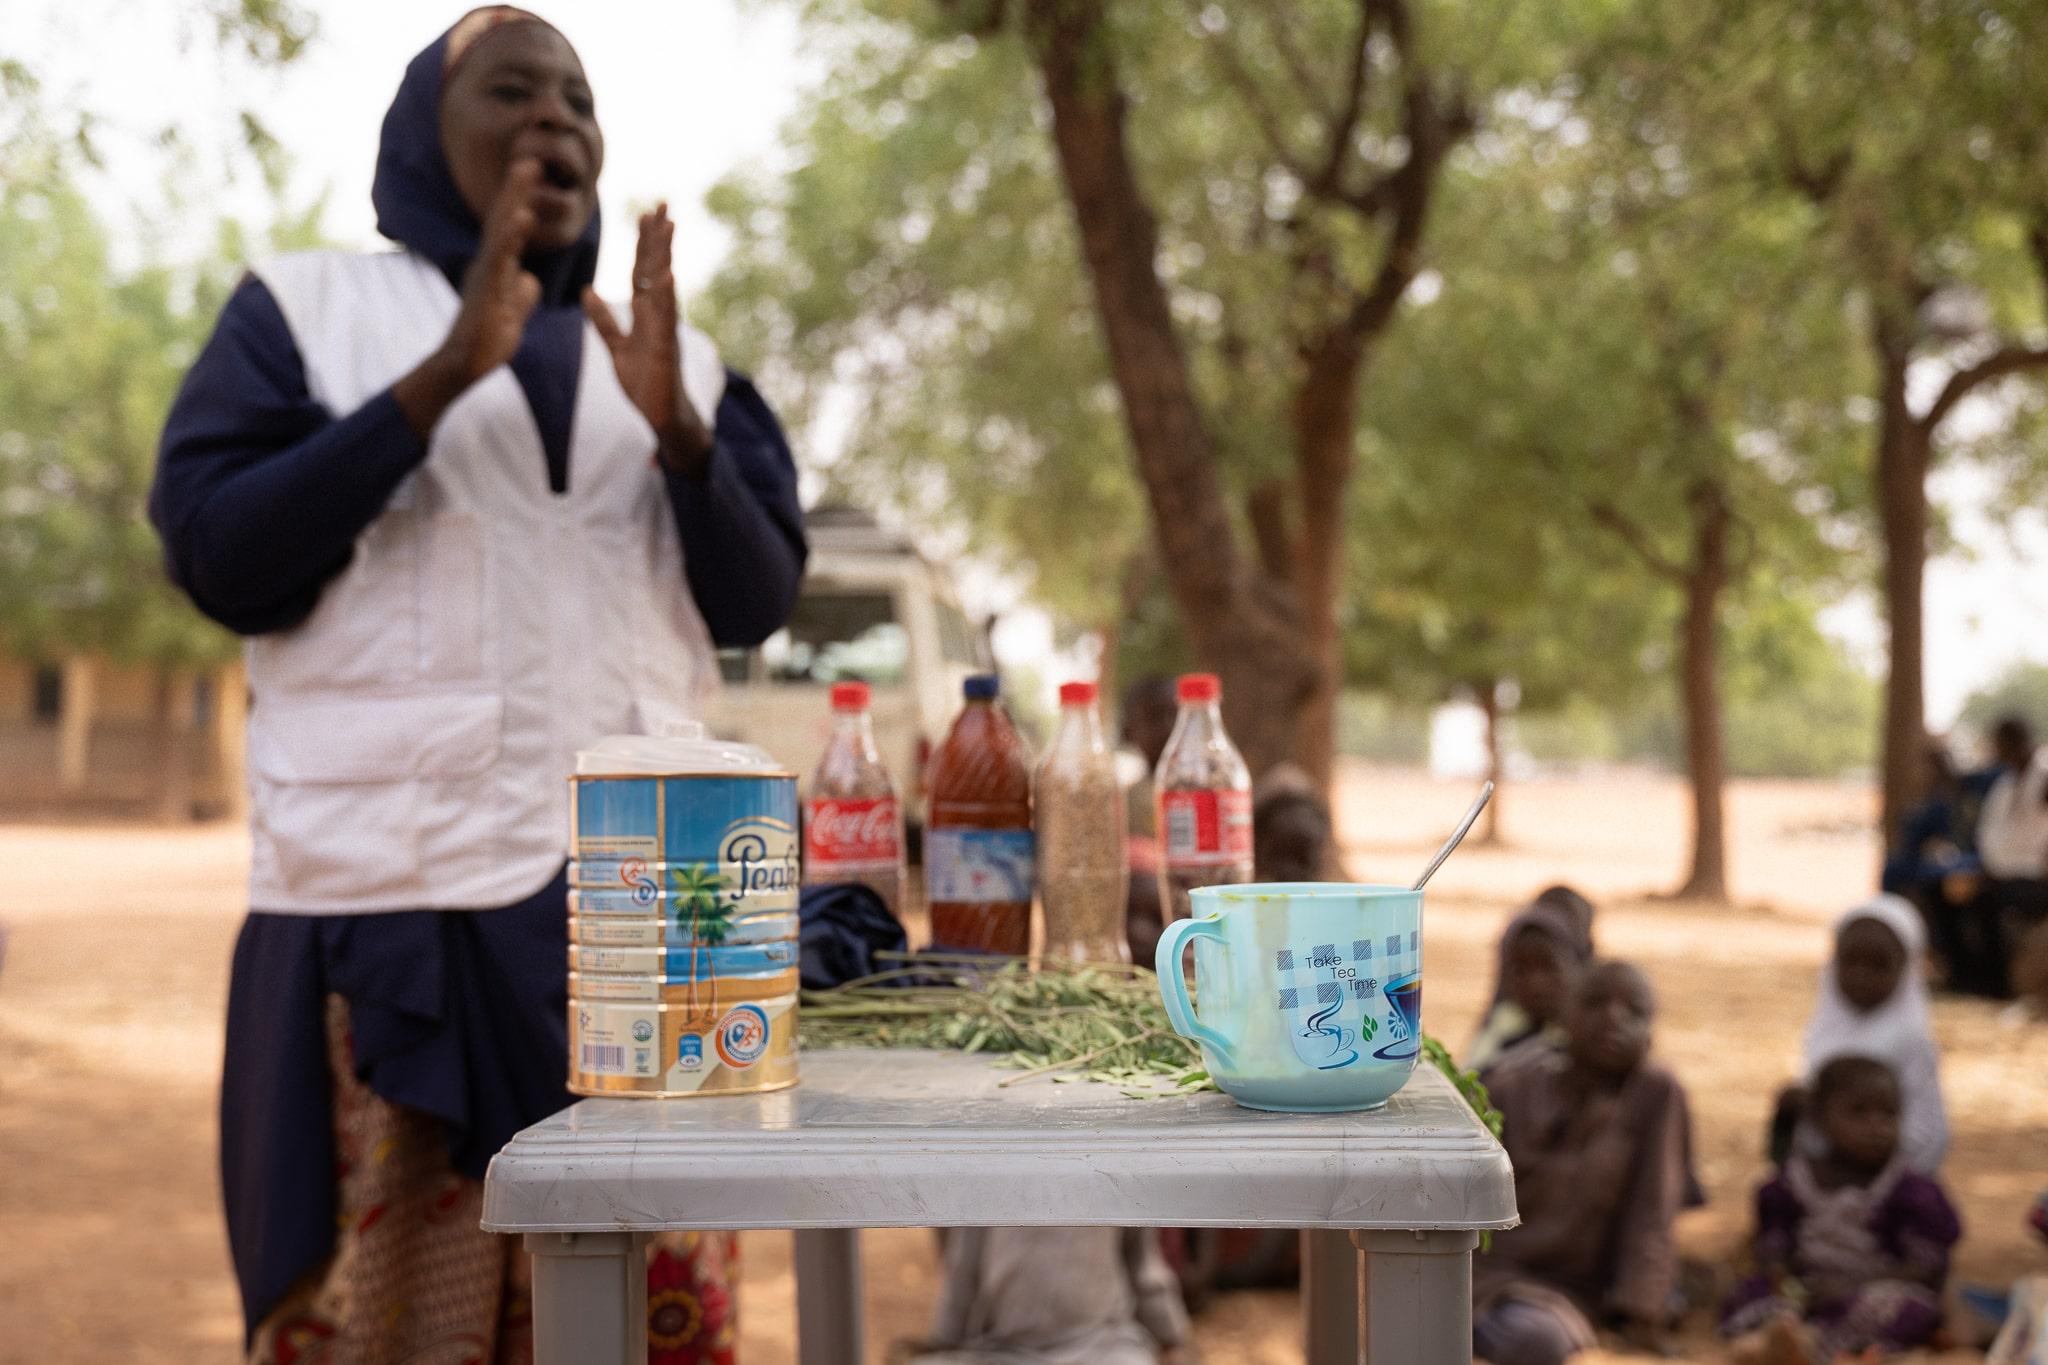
[[589, 1297], [1418, 1305], [1330, 1296], [828, 1327]]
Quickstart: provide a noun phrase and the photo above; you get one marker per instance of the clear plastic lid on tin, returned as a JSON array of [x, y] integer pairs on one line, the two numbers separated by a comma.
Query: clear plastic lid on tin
[[678, 748]]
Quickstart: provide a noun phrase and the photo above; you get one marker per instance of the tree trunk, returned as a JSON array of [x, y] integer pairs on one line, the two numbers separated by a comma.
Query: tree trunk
[[1700, 695], [1325, 427], [1901, 478], [75, 705], [1489, 826], [1108, 681], [172, 745], [1244, 626], [228, 739]]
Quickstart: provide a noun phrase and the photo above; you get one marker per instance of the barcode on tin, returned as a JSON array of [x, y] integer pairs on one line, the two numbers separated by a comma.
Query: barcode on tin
[[602, 1060], [1182, 829]]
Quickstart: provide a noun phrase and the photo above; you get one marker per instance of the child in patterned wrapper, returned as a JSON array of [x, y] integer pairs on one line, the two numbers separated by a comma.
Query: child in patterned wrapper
[[1852, 1243]]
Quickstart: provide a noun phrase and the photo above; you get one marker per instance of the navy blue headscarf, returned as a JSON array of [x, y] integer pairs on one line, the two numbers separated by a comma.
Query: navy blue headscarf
[[419, 207]]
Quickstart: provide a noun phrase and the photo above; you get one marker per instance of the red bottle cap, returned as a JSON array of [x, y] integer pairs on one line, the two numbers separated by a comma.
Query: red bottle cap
[[850, 696], [1077, 694], [1198, 689]]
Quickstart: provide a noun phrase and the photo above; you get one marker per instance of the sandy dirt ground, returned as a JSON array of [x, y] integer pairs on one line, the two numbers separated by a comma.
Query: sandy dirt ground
[[116, 955]]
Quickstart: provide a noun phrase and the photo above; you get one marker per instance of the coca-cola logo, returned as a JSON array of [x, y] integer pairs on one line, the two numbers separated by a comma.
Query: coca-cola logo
[[851, 831]]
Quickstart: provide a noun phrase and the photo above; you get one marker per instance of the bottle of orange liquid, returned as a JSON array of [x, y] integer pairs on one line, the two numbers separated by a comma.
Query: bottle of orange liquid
[[977, 843]]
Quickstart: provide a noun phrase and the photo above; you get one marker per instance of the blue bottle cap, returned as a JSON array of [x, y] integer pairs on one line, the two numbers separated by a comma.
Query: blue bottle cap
[[982, 687]]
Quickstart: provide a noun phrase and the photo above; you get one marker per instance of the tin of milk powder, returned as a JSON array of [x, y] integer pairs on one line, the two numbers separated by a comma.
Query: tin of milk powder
[[685, 875]]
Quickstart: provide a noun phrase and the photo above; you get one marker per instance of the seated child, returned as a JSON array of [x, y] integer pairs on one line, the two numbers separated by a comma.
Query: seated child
[[1597, 1133], [1852, 1243], [1873, 1003], [1292, 836], [1541, 950], [1056, 1296]]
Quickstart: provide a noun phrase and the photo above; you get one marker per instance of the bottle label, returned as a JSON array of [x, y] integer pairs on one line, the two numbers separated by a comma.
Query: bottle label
[[852, 836], [978, 866], [1206, 828]]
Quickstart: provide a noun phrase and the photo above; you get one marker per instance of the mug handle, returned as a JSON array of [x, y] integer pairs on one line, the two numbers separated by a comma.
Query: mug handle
[[1173, 985]]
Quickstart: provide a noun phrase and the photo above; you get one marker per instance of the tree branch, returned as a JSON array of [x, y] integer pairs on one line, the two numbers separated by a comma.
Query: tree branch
[[1742, 561], [1266, 509], [2037, 247], [1410, 189], [1607, 515], [1263, 114], [1407, 191], [2001, 362], [978, 18], [1345, 124], [1817, 184], [1278, 25]]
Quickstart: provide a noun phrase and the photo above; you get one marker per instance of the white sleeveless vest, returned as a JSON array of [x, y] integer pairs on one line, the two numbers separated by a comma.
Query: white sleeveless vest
[[410, 742]]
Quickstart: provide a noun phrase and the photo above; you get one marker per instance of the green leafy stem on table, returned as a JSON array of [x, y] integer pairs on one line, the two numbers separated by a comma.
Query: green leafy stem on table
[[1090, 1021]]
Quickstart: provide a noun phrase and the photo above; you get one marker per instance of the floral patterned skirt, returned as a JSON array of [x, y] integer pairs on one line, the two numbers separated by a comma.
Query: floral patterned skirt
[[1887, 1315], [414, 1279]]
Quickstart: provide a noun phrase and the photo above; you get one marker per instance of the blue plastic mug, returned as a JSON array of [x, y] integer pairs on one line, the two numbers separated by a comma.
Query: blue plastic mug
[[1311, 991]]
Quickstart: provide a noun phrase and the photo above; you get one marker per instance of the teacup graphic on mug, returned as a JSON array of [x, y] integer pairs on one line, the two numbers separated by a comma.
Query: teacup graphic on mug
[[1310, 993], [1404, 1016]]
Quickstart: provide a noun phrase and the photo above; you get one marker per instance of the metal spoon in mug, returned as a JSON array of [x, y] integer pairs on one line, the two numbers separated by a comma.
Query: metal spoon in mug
[[1457, 835]]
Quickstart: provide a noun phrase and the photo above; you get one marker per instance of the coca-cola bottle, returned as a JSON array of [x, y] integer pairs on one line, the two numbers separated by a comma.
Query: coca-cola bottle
[[1204, 793], [1080, 808], [977, 843], [853, 828]]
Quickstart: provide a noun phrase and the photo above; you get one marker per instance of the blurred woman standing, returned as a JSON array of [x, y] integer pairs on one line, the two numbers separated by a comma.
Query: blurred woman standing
[[471, 519]]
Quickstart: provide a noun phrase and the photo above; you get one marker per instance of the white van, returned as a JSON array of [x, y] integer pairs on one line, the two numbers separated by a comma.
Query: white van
[[872, 610]]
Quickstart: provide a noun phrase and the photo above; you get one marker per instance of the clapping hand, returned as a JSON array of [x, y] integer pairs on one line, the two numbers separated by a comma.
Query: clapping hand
[[648, 359], [498, 296]]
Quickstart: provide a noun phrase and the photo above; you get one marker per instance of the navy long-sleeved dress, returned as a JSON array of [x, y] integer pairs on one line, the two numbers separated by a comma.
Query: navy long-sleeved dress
[[260, 496]]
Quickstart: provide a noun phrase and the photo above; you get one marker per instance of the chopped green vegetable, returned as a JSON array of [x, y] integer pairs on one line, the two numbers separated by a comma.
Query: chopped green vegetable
[[1099, 1021]]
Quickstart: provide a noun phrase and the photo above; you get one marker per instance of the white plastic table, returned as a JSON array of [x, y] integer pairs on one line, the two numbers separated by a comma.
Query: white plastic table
[[926, 1139]]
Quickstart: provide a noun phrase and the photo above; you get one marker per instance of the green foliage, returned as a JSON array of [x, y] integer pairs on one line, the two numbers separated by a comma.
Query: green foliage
[[1149, 638], [1090, 1021], [1579, 732], [1101, 1022], [1795, 704], [91, 357], [1467, 1083], [1381, 729], [922, 255], [1662, 258], [88, 365], [38, 125], [2021, 690], [1772, 96], [1609, 346]]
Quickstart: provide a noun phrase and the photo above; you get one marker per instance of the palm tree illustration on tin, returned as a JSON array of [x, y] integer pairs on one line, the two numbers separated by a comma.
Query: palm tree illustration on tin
[[697, 889]]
